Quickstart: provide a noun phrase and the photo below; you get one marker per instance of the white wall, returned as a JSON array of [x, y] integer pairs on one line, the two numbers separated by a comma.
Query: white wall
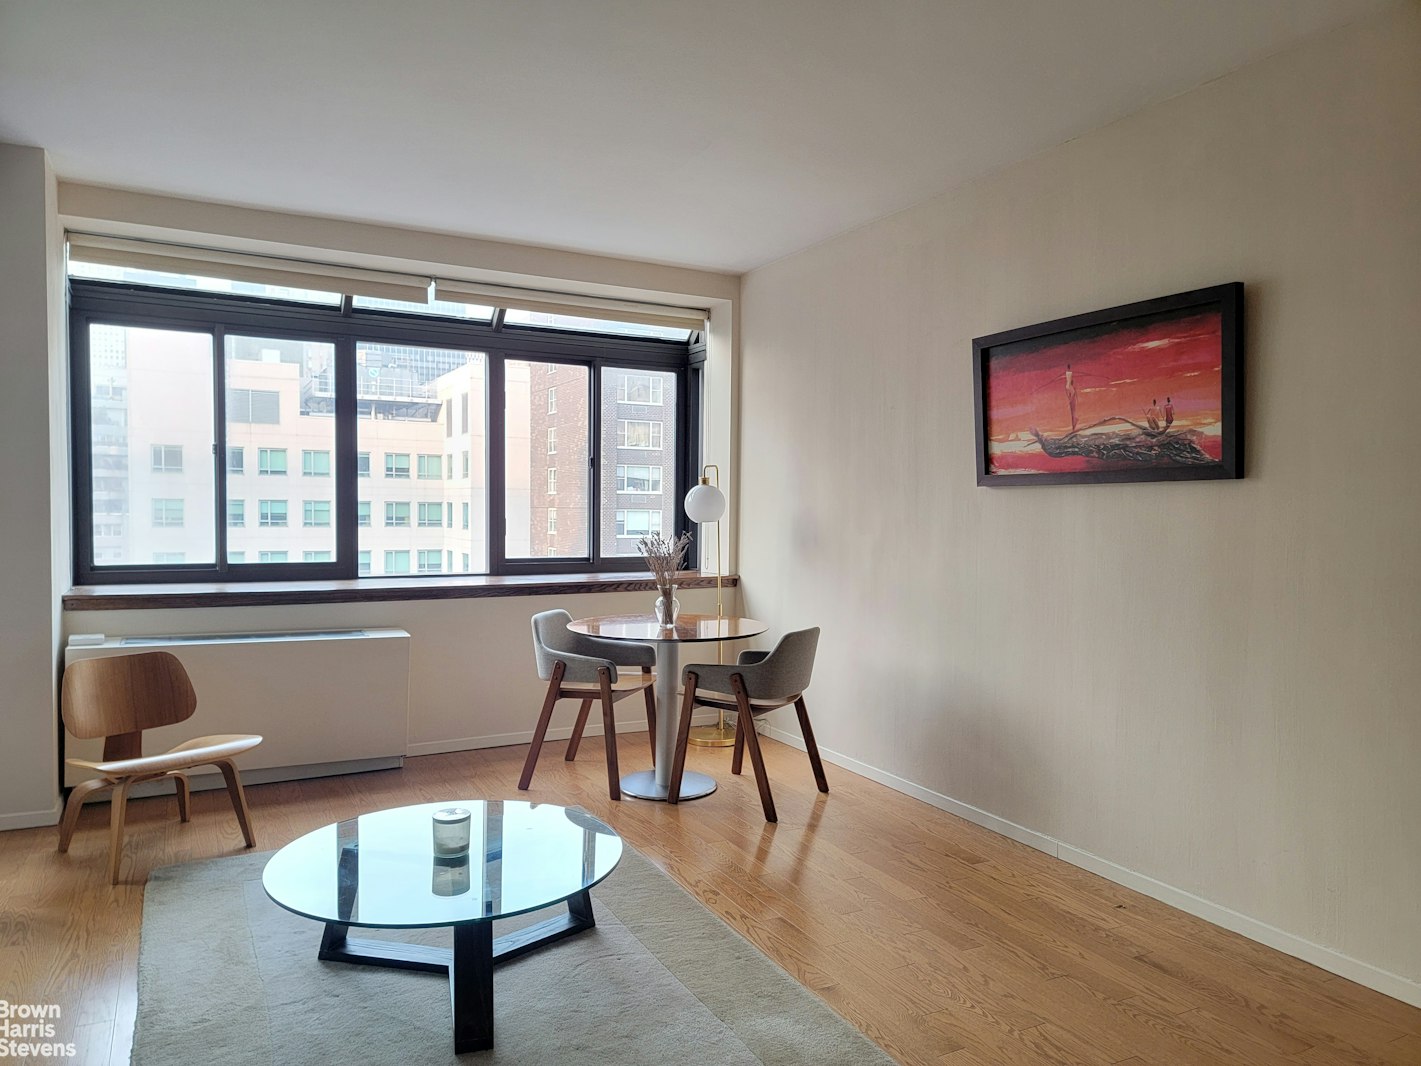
[[1217, 684], [30, 497]]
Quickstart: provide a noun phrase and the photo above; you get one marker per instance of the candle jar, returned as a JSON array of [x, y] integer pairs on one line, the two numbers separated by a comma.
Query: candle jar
[[451, 832]]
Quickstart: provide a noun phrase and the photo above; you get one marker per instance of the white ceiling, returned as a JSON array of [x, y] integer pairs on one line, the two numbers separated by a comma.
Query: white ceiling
[[713, 133]]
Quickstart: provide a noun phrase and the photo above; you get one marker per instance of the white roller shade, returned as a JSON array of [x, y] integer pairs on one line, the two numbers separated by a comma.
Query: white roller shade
[[238, 266], [557, 303]]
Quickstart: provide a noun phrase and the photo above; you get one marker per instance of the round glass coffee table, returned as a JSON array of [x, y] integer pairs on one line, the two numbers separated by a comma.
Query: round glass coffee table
[[380, 871]]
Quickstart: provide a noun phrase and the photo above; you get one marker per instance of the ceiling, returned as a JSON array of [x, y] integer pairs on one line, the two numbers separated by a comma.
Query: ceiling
[[713, 133]]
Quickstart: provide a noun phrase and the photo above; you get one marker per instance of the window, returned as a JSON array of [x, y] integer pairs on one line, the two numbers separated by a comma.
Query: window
[[553, 522], [640, 388], [645, 479], [167, 513], [549, 320], [167, 459], [465, 558], [397, 562], [315, 464], [272, 557], [271, 513], [430, 562], [254, 407], [169, 557], [634, 434], [315, 513], [364, 567], [638, 523], [147, 399]]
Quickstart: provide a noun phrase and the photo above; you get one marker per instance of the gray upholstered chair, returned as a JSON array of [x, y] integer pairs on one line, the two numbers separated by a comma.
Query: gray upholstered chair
[[758, 683], [585, 668]]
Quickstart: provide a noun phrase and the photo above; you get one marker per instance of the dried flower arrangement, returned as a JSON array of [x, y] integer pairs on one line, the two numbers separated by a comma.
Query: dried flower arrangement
[[663, 558]]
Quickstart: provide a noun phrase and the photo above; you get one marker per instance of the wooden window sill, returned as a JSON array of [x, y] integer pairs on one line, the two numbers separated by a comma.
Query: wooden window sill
[[363, 590]]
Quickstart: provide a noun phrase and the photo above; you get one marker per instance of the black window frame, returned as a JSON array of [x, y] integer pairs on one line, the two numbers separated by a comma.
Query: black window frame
[[94, 302]]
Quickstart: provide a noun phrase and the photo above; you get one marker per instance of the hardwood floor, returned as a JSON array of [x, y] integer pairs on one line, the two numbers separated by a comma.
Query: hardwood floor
[[947, 944]]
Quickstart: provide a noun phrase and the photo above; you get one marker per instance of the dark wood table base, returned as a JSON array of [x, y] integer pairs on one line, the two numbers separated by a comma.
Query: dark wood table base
[[469, 966]]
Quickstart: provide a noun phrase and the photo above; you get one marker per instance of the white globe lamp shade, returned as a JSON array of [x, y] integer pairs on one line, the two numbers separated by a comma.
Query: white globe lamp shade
[[705, 503]]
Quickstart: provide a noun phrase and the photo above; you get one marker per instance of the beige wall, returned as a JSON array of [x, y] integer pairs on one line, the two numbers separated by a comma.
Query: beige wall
[[1214, 684], [32, 490]]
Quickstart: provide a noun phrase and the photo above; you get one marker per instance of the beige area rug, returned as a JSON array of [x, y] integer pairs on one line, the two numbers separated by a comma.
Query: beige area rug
[[226, 976]]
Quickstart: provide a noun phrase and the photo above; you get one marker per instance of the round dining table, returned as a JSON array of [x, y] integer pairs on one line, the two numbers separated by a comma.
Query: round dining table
[[689, 629]]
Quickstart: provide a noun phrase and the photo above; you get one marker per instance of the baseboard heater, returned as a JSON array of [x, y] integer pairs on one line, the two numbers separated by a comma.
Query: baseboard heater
[[325, 702]]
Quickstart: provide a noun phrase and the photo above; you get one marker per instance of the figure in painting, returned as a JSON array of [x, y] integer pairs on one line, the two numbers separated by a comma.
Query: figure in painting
[[1068, 377], [1153, 414], [1168, 412]]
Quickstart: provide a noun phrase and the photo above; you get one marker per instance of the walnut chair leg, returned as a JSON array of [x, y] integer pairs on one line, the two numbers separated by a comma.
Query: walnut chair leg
[[683, 737], [737, 759], [752, 741], [541, 729], [74, 805], [184, 795], [650, 695], [239, 799], [609, 735], [575, 741], [118, 811], [807, 731]]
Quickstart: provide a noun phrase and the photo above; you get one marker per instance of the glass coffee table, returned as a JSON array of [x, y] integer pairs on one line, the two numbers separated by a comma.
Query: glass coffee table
[[380, 871]]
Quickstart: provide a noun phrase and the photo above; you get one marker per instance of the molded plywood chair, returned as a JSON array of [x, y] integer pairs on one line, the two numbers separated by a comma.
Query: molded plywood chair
[[758, 683], [585, 668], [117, 698]]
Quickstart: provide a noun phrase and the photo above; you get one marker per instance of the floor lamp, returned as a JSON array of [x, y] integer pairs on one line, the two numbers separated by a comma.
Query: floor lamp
[[705, 504]]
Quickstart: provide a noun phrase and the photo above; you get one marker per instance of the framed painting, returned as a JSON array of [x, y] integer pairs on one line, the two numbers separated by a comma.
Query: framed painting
[[1151, 391]]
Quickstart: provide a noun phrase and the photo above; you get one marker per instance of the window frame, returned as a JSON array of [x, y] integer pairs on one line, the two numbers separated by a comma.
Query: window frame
[[122, 304]]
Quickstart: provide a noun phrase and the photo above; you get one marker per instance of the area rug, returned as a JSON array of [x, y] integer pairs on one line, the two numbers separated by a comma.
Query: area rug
[[225, 976]]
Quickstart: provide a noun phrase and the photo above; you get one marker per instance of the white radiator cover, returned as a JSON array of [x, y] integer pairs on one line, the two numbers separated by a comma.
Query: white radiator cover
[[325, 703]]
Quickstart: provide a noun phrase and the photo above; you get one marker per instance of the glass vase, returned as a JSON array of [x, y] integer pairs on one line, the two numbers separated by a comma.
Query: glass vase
[[667, 606]]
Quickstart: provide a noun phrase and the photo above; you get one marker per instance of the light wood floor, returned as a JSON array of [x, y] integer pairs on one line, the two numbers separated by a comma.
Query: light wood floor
[[947, 944]]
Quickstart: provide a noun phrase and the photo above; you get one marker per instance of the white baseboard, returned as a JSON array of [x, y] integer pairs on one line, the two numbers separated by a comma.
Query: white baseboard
[[32, 819], [1364, 973], [503, 740]]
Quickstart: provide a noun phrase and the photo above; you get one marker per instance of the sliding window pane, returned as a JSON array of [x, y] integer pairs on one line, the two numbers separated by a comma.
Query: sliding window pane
[[539, 481], [406, 398], [280, 409], [153, 483], [638, 457]]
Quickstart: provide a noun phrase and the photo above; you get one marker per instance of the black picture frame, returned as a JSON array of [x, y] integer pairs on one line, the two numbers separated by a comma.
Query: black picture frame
[[1116, 448]]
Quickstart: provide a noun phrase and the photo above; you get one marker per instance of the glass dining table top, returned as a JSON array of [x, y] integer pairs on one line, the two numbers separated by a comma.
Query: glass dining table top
[[381, 870], [689, 628]]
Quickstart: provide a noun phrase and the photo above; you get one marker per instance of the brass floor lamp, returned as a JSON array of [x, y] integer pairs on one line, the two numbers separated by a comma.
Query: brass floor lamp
[[705, 504]]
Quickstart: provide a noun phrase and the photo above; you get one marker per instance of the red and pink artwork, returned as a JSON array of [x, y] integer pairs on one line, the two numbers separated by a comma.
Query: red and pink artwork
[[1138, 393]]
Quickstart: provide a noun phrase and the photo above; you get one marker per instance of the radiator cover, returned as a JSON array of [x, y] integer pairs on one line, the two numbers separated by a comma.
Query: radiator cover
[[324, 702]]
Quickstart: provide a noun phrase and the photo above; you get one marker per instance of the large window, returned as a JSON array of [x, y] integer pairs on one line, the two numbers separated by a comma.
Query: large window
[[233, 434]]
